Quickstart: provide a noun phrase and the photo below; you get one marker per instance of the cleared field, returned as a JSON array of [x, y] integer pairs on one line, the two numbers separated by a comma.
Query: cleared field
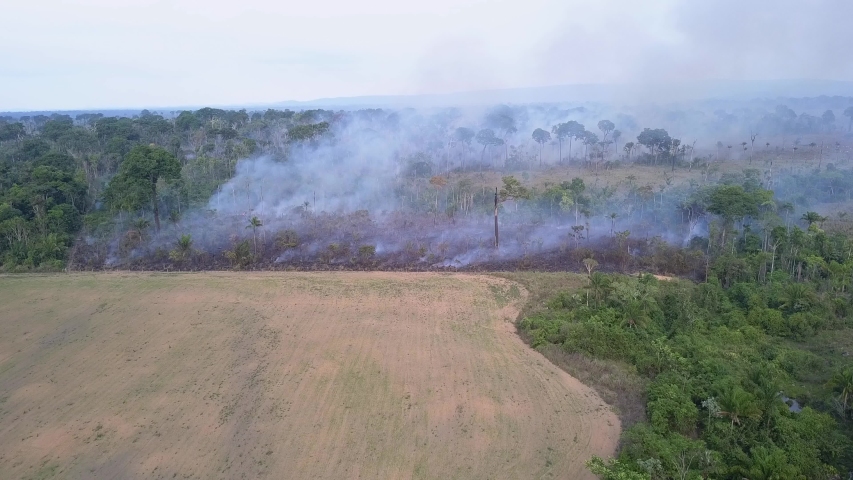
[[333, 375]]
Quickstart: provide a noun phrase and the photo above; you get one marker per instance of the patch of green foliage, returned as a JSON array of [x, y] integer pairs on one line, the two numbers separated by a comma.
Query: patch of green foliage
[[720, 364], [241, 255], [42, 202]]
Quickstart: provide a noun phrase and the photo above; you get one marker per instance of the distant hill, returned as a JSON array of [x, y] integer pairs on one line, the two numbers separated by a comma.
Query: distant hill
[[626, 93], [615, 93]]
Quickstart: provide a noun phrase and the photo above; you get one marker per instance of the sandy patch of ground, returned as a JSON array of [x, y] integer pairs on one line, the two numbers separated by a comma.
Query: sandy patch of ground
[[312, 375]]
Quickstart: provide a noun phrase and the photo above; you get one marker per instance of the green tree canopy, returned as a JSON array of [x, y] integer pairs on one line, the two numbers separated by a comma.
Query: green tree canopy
[[732, 201], [606, 126], [136, 182], [513, 189]]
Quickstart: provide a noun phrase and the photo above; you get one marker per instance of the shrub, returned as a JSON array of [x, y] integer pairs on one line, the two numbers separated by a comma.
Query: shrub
[[287, 239], [241, 255], [366, 252]]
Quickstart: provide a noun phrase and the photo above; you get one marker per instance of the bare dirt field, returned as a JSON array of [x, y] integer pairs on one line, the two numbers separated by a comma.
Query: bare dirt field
[[283, 375]]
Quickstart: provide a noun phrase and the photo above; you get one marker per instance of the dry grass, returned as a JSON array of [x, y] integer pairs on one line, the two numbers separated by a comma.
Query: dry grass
[[347, 375], [542, 286], [784, 160]]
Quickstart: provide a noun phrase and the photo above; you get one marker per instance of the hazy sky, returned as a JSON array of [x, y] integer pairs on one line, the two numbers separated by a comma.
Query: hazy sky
[[65, 54]]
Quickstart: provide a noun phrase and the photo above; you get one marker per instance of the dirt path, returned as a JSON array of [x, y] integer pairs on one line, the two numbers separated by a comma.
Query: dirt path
[[327, 375]]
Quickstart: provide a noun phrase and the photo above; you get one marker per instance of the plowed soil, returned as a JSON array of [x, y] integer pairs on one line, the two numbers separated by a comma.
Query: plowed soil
[[283, 375]]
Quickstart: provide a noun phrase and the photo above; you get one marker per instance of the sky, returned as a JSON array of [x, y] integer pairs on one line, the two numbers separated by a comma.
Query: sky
[[86, 54]]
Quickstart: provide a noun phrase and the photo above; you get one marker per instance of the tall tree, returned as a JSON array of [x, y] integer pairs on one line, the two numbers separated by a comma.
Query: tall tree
[[732, 202], [752, 137], [656, 141], [486, 137], [589, 138], [136, 182], [464, 136], [612, 216], [512, 190], [576, 132], [848, 112], [812, 217], [629, 147], [12, 131], [606, 126], [255, 223], [308, 132], [828, 119], [561, 131], [541, 137], [502, 119], [842, 384], [590, 264], [616, 135]]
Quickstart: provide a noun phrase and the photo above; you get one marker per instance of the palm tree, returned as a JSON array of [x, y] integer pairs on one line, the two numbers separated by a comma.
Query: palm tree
[[561, 131], [138, 230], [812, 217], [752, 137], [185, 243], [849, 113], [589, 264], [842, 383], [254, 224], [599, 285], [183, 248], [541, 137], [768, 396], [52, 245], [768, 464], [796, 297], [612, 216], [141, 224], [788, 208], [737, 404], [634, 314], [174, 217]]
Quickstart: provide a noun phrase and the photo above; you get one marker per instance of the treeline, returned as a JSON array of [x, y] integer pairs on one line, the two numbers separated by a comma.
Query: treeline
[[57, 172], [783, 120]]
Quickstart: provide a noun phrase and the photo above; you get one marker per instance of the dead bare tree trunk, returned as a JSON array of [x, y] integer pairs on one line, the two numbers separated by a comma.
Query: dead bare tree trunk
[[497, 236]]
